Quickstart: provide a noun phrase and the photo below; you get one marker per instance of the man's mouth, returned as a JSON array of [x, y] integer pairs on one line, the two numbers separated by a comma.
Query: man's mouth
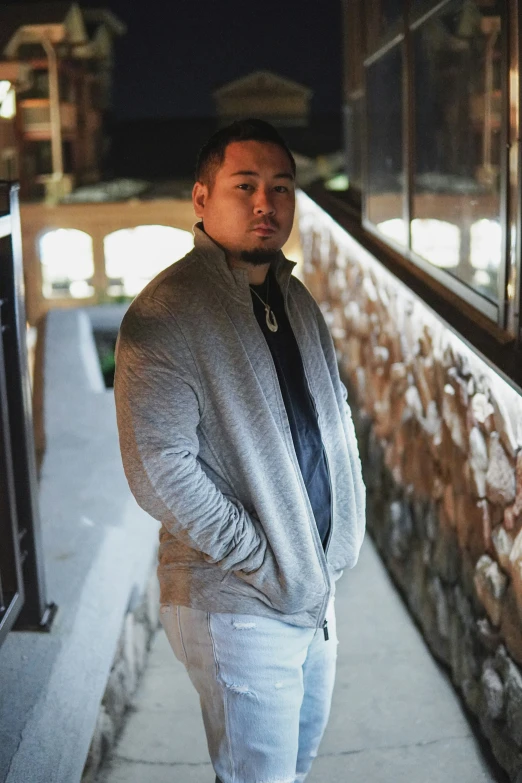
[[264, 229]]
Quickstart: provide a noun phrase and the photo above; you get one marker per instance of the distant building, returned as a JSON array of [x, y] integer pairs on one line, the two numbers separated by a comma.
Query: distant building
[[55, 83], [265, 95]]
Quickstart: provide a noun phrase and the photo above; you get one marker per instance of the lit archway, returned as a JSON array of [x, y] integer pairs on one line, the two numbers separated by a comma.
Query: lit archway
[[133, 256], [67, 264]]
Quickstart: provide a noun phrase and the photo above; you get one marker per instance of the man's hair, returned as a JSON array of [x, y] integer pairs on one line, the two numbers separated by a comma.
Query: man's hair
[[212, 154]]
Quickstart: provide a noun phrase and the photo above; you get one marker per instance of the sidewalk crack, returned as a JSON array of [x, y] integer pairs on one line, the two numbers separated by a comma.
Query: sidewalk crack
[[117, 757], [421, 743]]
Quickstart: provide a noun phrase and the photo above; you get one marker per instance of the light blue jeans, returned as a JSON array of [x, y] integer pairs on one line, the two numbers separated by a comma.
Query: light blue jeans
[[265, 689]]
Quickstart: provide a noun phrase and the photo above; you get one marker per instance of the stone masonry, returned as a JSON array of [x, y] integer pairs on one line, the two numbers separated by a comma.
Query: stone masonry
[[440, 436], [139, 627]]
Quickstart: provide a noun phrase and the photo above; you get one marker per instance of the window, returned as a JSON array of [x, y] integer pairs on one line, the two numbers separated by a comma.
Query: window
[[353, 112], [353, 103], [385, 178], [67, 264], [40, 84], [435, 142], [7, 100], [38, 157], [391, 12], [384, 20], [95, 91], [68, 156], [458, 119], [438, 241], [133, 256], [31, 51], [66, 87]]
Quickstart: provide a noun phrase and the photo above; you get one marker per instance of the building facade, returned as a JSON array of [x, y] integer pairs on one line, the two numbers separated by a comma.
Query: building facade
[[265, 95], [55, 69]]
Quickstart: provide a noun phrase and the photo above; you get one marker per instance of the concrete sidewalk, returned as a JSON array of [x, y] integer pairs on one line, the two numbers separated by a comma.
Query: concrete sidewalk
[[395, 716]]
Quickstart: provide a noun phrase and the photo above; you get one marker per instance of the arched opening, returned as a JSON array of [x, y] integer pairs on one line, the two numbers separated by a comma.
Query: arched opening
[[67, 264], [133, 256]]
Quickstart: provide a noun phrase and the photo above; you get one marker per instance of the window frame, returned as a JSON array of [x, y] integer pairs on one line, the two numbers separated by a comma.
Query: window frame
[[354, 35], [503, 314]]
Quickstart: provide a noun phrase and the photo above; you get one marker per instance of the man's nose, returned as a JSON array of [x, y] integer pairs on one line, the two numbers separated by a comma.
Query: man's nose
[[263, 204]]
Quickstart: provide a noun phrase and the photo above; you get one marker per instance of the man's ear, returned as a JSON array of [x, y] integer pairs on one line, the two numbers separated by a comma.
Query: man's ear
[[199, 198]]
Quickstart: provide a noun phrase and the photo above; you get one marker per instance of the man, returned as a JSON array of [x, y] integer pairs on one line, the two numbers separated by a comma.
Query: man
[[235, 434]]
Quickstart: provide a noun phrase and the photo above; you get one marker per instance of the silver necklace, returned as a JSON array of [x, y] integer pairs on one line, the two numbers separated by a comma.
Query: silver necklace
[[270, 318]]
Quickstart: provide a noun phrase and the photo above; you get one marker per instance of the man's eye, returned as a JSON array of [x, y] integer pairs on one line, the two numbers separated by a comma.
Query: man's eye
[[281, 189], [244, 186]]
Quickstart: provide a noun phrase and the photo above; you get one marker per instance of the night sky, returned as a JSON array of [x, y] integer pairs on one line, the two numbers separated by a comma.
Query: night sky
[[177, 51]]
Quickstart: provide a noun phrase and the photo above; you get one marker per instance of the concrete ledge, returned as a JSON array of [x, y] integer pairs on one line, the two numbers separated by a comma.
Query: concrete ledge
[[99, 550]]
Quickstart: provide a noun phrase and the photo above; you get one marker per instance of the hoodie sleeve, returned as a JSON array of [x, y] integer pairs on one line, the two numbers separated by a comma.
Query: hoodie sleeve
[[159, 400]]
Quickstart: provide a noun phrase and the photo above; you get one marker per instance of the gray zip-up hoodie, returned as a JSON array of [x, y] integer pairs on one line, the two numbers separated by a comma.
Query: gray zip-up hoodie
[[207, 448]]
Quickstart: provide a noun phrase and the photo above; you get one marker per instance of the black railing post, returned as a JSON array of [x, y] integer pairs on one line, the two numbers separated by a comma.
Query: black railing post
[[36, 613], [12, 587]]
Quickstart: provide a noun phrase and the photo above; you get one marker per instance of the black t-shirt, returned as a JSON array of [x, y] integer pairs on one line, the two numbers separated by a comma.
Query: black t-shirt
[[298, 403]]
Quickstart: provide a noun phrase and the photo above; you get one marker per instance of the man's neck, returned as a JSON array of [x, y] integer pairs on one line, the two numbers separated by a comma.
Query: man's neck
[[256, 273]]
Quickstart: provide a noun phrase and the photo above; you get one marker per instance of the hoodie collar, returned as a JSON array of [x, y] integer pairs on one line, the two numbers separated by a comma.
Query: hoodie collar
[[232, 279]]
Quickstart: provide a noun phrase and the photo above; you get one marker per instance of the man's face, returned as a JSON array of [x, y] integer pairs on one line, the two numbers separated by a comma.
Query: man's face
[[250, 207]]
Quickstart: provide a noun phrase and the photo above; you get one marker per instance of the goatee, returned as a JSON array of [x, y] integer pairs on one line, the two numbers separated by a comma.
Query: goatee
[[259, 257]]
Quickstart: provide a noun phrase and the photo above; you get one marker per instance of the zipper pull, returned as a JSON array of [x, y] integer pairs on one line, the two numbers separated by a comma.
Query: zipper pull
[[325, 630]]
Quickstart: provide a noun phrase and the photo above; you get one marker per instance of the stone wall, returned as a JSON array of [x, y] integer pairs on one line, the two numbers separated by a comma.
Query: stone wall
[[441, 443], [139, 627]]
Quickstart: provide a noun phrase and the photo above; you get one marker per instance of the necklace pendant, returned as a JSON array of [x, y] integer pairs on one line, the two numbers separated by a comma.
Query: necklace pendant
[[271, 321]]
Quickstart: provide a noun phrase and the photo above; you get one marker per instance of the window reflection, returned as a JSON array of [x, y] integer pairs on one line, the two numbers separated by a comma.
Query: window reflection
[[384, 200], [133, 256], [353, 124], [486, 238], [67, 264], [384, 20], [394, 229], [458, 98], [438, 241], [391, 11]]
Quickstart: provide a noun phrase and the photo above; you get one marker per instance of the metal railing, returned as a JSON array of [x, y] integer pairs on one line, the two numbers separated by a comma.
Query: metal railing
[[22, 584]]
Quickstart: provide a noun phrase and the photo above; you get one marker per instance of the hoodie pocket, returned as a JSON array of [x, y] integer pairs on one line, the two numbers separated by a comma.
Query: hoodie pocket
[[268, 584]]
